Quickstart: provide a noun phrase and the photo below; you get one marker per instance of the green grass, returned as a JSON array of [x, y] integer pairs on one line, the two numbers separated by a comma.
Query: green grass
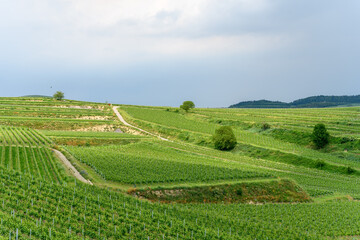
[[277, 191]]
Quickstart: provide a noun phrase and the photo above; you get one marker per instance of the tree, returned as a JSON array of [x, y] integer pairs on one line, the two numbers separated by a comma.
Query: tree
[[58, 95], [224, 138], [187, 105], [320, 136]]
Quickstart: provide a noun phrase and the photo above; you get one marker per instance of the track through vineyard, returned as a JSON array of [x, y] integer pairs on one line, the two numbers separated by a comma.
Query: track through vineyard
[[39, 200], [72, 169], [128, 124]]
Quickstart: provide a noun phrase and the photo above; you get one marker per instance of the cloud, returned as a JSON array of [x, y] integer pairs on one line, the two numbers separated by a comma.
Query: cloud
[[261, 48], [92, 32]]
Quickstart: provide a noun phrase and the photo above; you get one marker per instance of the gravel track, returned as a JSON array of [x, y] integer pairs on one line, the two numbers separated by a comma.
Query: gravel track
[[129, 125], [71, 168]]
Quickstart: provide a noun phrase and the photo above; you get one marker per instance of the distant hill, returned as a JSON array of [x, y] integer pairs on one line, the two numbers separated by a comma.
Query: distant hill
[[309, 102], [37, 96]]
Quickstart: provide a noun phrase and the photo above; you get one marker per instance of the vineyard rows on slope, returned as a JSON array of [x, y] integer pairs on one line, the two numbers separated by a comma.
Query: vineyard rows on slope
[[28, 151], [42, 210]]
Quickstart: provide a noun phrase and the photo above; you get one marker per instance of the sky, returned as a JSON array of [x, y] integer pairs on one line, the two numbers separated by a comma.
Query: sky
[[161, 52]]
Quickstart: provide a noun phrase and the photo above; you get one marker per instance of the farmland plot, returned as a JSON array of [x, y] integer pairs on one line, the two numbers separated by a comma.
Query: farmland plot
[[27, 151]]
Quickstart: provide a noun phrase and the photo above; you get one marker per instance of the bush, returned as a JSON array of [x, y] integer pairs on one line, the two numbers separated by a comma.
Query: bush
[[265, 126], [320, 164], [224, 138], [320, 136], [350, 170]]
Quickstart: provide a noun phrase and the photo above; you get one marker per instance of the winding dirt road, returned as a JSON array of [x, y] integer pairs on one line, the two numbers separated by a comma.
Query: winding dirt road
[[70, 167], [129, 125]]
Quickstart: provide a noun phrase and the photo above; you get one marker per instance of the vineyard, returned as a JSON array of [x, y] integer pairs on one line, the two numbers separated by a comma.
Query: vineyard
[[198, 126], [340, 121], [209, 190], [27, 151], [47, 114], [148, 163], [38, 210], [80, 138]]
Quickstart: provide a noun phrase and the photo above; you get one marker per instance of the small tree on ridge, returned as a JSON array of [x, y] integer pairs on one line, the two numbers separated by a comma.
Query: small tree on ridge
[[187, 105], [58, 95]]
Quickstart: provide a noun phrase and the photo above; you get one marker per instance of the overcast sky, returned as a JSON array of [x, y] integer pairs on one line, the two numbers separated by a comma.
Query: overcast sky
[[158, 52]]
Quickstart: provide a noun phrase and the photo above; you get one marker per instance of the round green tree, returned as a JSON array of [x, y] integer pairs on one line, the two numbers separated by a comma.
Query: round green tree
[[187, 105], [320, 136], [224, 138], [58, 95]]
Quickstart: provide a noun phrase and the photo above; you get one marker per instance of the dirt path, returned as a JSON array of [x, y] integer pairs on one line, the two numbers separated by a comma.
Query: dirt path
[[69, 166], [129, 125]]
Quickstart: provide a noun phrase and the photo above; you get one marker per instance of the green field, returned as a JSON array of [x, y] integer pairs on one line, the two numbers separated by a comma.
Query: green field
[[89, 138], [248, 186], [148, 163], [28, 151], [80, 211], [46, 113]]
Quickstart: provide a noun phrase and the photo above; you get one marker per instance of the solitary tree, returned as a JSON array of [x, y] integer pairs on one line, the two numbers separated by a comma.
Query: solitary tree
[[224, 138], [320, 136], [58, 95], [187, 105]]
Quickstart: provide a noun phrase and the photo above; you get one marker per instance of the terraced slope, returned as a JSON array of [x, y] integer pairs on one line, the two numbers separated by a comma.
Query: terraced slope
[[46, 113], [35, 203], [261, 149], [198, 126], [27, 151], [41, 210], [149, 163], [89, 138]]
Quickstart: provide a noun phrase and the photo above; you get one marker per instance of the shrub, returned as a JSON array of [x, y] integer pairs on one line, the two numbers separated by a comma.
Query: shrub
[[320, 136], [350, 170], [224, 138], [320, 164], [265, 126]]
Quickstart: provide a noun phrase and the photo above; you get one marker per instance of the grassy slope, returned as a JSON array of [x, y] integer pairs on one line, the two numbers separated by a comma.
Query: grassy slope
[[245, 222], [247, 192], [44, 113], [199, 124]]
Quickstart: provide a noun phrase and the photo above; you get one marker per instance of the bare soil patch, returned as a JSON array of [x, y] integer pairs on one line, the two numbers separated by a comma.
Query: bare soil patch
[[97, 128]]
